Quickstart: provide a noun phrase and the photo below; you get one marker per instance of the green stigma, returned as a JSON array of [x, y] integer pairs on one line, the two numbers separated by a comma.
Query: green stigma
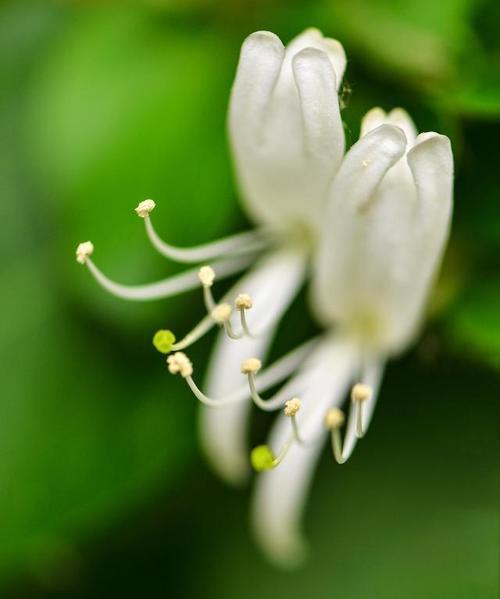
[[262, 458], [163, 341]]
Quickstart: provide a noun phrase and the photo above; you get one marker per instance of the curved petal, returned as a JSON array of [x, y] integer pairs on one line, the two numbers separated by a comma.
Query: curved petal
[[258, 70], [286, 157], [316, 82], [398, 117], [272, 284], [280, 494], [344, 261]]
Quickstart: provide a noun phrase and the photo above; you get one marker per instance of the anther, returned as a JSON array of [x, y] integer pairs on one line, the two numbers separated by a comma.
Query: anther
[[206, 275], [292, 406], [83, 251], [360, 394], [221, 313], [262, 457], [163, 341], [179, 363], [243, 302], [144, 208], [251, 366], [334, 419]]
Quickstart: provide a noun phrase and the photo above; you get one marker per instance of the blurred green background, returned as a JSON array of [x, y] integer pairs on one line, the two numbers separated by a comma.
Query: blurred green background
[[103, 491]]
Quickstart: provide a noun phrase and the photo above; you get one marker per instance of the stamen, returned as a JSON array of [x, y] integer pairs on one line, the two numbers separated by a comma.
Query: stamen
[[83, 251], [292, 406], [241, 243], [180, 363], [206, 275], [250, 367], [168, 287], [145, 208], [262, 457], [244, 302], [164, 341], [334, 420], [221, 313], [359, 395]]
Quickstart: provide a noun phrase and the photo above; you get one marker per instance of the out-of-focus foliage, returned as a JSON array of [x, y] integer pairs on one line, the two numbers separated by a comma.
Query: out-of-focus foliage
[[102, 106]]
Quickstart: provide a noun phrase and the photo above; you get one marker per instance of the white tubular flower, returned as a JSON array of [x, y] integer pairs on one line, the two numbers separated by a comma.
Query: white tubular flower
[[287, 140], [285, 126], [388, 221], [384, 233]]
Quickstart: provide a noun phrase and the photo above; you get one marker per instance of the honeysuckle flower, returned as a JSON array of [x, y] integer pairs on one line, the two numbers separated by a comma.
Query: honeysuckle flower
[[386, 227], [374, 225], [287, 140]]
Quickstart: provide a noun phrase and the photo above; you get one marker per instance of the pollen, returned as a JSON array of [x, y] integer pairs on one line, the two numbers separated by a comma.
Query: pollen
[[361, 392], [83, 251], [292, 406], [334, 418], [163, 341], [179, 363], [243, 302], [221, 313], [145, 208], [206, 275], [251, 366], [262, 458]]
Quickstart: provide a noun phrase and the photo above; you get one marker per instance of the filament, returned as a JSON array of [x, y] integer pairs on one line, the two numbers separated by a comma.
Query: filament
[[168, 287], [242, 243], [274, 374]]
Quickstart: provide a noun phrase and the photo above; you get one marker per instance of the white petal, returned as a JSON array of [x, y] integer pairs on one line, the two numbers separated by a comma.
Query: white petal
[[272, 284], [259, 66], [398, 117], [313, 38], [377, 261], [286, 156], [372, 119], [343, 265], [280, 494], [316, 81]]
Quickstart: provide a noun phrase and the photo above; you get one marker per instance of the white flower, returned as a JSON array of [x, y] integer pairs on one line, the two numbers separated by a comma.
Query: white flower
[[386, 226], [374, 225], [287, 139]]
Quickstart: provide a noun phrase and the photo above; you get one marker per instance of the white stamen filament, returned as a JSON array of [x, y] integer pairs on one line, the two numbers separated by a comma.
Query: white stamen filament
[[267, 405], [276, 373], [242, 243], [168, 287], [334, 419]]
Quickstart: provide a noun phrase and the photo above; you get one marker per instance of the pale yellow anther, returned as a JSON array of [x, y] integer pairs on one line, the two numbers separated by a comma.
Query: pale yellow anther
[[361, 392], [292, 406], [83, 251], [221, 313], [145, 207], [180, 363], [251, 366], [243, 302], [206, 275], [365, 163], [334, 418]]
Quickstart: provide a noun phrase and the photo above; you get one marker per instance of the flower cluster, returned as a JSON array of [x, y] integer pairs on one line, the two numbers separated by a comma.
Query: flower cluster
[[368, 227]]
